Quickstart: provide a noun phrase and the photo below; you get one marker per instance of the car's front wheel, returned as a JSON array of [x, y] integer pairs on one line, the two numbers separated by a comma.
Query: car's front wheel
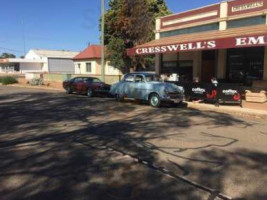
[[154, 100], [90, 93]]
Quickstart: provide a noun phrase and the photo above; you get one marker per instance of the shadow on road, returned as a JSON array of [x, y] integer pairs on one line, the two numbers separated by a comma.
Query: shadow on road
[[46, 152]]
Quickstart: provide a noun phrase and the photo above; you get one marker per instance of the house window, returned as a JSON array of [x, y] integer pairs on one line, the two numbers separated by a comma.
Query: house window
[[89, 67]]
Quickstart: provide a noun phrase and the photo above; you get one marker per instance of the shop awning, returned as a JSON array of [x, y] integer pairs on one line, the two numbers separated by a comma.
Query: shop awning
[[231, 38]]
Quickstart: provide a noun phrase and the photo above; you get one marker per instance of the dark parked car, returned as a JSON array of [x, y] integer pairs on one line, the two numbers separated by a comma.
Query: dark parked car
[[86, 85]]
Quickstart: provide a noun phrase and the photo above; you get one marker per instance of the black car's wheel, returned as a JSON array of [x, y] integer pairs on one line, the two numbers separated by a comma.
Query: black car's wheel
[[90, 93], [119, 97], [179, 104], [154, 100], [68, 90]]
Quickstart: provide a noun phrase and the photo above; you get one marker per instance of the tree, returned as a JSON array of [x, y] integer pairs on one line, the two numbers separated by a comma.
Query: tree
[[127, 24], [7, 55]]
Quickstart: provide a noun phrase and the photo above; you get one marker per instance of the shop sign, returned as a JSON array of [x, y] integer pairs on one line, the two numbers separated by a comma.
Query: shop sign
[[248, 6], [198, 90], [229, 92], [236, 42]]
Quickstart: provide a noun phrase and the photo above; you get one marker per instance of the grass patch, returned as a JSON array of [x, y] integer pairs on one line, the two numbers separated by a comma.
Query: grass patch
[[7, 80]]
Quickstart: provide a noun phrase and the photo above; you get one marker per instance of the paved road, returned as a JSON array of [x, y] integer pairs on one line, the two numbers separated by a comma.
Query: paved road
[[48, 140]]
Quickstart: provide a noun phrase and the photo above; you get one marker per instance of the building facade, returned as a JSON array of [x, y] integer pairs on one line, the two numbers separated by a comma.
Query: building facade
[[48, 61], [89, 62], [226, 40]]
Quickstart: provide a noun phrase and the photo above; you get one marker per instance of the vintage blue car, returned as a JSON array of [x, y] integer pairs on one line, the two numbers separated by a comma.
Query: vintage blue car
[[146, 86]]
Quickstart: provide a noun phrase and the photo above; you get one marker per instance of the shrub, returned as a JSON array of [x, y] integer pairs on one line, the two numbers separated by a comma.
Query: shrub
[[36, 81], [6, 80]]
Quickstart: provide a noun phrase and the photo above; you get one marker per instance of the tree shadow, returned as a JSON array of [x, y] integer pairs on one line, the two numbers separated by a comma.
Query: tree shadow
[[47, 145], [243, 175]]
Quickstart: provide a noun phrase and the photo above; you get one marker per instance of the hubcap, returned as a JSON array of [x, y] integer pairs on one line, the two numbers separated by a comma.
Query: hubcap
[[118, 97], [154, 100], [89, 93]]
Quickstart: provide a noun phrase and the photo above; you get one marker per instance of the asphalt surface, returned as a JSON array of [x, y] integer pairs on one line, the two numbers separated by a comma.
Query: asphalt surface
[[52, 143]]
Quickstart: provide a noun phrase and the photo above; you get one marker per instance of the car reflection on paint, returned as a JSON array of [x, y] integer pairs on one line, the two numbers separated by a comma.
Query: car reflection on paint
[[86, 85], [146, 86]]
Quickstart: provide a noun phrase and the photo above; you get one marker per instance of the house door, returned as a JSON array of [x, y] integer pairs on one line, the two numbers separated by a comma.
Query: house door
[[208, 65]]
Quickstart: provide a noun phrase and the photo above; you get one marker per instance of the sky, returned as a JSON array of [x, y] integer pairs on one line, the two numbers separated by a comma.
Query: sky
[[59, 24]]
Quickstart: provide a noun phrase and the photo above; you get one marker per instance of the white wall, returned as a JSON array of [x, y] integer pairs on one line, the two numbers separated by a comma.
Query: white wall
[[82, 69], [32, 55], [30, 67], [110, 70]]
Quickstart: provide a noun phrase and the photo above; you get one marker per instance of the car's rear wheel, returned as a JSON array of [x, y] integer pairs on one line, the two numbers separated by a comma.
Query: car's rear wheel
[[68, 90], [119, 97], [179, 104], [90, 93], [154, 100]]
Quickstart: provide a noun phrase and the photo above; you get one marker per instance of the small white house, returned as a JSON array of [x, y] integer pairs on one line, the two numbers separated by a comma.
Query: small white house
[[40, 61]]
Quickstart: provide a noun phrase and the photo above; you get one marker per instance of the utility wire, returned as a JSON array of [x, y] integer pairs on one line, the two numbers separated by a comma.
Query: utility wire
[[13, 50]]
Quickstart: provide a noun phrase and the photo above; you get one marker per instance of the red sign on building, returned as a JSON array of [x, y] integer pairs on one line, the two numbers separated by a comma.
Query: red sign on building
[[222, 43]]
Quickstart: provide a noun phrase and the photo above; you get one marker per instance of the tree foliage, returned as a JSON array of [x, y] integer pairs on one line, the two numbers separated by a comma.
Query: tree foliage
[[7, 55], [127, 24]]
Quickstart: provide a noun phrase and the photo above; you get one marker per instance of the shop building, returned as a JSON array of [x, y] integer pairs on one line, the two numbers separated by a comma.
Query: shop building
[[226, 40]]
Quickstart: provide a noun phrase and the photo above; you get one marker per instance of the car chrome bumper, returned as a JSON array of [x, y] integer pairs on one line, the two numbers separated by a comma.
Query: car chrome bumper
[[174, 98]]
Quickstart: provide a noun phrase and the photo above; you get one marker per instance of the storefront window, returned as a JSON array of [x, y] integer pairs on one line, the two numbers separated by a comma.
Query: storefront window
[[183, 68], [245, 64], [246, 22], [197, 29]]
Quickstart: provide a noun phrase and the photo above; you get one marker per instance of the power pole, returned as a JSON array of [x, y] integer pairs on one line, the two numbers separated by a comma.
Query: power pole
[[24, 39], [102, 40]]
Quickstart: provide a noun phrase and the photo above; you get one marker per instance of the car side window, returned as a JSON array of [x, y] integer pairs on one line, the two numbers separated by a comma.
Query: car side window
[[139, 78], [96, 80], [129, 78], [88, 80], [76, 80]]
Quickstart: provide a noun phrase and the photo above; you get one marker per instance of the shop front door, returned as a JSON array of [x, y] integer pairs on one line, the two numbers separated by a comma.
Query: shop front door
[[208, 65]]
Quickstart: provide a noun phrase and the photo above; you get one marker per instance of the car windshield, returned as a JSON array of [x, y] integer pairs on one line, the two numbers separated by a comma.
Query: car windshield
[[152, 77]]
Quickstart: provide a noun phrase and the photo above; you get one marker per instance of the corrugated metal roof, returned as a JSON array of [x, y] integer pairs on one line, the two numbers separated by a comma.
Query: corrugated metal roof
[[55, 54]]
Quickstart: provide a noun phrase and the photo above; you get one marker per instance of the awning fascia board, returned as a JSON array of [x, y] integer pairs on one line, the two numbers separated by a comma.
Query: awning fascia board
[[232, 38]]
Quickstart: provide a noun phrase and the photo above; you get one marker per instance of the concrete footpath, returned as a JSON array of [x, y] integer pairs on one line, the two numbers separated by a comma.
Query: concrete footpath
[[231, 109]]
